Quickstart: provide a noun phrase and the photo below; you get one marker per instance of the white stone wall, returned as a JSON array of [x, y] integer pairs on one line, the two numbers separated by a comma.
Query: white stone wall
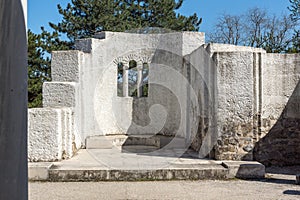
[[203, 112], [279, 132], [280, 76], [102, 111], [235, 87], [257, 97]]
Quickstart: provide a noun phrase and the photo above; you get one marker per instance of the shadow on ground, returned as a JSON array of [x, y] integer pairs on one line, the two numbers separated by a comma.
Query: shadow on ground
[[292, 192]]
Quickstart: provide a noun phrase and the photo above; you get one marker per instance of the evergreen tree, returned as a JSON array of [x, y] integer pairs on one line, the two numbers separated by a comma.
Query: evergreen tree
[[295, 9], [295, 15], [83, 18]]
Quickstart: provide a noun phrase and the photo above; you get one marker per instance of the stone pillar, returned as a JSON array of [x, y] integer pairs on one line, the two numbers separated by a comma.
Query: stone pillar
[[125, 79], [13, 100], [139, 80]]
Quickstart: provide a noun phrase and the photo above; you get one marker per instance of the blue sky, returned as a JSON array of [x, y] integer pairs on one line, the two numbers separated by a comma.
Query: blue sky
[[40, 12]]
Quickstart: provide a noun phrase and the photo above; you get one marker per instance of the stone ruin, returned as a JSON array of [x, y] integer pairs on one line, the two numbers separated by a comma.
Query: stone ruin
[[169, 90]]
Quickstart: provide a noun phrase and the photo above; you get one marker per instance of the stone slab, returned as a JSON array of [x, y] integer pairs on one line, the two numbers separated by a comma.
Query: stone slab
[[38, 171], [136, 175], [108, 142], [139, 148], [245, 169], [113, 165], [98, 143]]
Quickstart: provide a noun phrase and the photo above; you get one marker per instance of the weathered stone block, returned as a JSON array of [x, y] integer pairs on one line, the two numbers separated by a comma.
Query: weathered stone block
[[65, 66], [38, 171], [245, 169], [51, 134], [59, 94], [44, 134]]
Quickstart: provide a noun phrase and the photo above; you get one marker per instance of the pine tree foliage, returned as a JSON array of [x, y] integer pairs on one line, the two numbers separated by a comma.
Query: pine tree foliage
[[83, 18], [295, 15], [295, 9]]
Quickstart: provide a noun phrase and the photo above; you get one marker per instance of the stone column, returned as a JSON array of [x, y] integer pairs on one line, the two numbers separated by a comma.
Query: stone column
[[139, 79], [125, 79], [13, 100]]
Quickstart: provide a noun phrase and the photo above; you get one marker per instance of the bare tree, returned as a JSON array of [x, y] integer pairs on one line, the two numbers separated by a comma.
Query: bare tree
[[256, 28], [278, 36], [255, 24], [227, 30]]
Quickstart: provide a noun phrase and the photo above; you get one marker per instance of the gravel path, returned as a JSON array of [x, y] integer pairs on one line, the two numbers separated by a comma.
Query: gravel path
[[279, 184], [271, 188]]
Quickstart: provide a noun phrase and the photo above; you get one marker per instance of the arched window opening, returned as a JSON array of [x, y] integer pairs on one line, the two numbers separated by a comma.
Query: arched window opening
[[120, 79], [132, 79], [145, 78]]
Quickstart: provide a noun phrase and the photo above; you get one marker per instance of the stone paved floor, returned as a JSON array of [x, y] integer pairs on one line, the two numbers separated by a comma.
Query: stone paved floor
[[113, 159]]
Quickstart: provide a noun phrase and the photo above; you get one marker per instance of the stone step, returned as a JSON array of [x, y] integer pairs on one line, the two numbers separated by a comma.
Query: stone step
[[113, 165], [172, 142], [175, 172], [108, 142], [138, 148], [201, 173]]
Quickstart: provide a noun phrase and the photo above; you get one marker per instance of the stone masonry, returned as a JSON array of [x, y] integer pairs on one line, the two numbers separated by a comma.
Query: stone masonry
[[227, 102]]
